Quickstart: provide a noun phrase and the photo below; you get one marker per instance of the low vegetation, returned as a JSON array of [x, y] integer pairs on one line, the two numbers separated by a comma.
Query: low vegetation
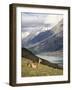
[[39, 70]]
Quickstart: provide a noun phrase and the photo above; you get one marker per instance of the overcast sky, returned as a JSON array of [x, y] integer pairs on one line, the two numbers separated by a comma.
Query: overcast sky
[[33, 23]]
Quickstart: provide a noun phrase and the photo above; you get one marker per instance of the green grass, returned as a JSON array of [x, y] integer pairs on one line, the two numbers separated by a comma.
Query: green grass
[[41, 70]]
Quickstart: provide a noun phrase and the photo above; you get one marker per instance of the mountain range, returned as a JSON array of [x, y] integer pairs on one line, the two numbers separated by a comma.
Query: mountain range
[[46, 41]]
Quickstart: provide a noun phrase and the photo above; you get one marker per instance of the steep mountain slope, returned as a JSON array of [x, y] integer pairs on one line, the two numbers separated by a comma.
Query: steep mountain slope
[[29, 55], [48, 41]]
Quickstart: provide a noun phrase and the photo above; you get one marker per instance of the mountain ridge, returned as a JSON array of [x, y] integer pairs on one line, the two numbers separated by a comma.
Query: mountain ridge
[[51, 43]]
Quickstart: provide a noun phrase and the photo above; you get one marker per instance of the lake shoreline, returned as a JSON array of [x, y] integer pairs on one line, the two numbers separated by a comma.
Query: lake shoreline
[[32, 57]]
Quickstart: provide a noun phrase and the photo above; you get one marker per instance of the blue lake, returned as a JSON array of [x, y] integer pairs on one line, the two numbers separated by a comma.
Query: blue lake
[[53, 59]]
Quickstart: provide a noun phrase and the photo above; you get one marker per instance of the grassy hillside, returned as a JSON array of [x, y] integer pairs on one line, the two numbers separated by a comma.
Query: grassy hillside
[[45, 68], [41, 70], [29, 55]]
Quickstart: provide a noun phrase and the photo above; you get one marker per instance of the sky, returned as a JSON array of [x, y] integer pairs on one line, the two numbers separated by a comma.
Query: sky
[[34, 23]]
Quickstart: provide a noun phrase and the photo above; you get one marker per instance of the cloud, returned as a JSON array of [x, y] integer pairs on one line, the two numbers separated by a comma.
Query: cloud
[[32, 19], [37, 33], [37, 20], [34, 23], [25, 34], [53, 19], [30, 29]]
